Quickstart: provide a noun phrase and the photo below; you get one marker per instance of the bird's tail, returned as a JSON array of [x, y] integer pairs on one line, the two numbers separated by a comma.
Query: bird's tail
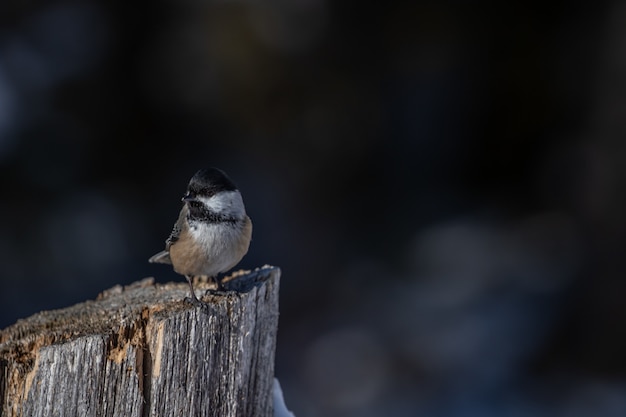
[[161, 258]]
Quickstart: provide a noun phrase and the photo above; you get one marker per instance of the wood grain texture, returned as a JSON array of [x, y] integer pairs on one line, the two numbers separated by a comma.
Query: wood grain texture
[[142, 351]]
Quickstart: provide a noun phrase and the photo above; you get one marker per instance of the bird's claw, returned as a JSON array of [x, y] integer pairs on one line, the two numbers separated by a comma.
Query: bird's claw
[[193, 301]]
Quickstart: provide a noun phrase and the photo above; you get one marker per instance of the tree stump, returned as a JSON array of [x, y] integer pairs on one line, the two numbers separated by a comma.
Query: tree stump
[[141, 350]]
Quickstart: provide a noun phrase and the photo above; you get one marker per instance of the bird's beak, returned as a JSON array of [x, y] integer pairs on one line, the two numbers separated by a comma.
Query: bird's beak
[[189, 197]]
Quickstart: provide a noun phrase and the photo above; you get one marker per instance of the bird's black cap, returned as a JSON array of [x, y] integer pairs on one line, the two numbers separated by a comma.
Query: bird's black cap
[[210, 181]]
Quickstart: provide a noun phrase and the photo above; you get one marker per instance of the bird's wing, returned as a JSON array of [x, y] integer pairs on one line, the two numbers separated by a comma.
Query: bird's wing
[[163, 257], [178, 227]]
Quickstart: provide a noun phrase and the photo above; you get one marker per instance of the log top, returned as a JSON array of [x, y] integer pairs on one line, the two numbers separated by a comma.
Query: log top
[[114, 307]]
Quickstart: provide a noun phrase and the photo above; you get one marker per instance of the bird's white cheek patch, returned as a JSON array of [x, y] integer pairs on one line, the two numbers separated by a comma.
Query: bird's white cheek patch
[[225, 202]]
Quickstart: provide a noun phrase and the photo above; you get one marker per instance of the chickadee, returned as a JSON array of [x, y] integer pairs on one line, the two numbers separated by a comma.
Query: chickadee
[[212, 233]]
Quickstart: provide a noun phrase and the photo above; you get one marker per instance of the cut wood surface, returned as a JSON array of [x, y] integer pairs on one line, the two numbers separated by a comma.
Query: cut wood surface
[[141, 350]]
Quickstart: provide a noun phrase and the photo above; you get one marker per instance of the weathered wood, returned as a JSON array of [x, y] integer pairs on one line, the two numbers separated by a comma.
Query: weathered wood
[[142, 351]]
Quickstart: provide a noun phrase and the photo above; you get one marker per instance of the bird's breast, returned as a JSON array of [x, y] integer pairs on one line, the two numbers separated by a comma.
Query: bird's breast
[[210, 248]]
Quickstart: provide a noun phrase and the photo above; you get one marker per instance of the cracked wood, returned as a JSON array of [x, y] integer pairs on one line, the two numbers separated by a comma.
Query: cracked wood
[[142, 351]]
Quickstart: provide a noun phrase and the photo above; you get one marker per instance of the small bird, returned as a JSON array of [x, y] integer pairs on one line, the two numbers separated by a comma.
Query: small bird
[[212, 233]]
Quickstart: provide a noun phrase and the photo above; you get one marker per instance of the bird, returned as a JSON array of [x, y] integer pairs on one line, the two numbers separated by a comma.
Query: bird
[[212, 233]]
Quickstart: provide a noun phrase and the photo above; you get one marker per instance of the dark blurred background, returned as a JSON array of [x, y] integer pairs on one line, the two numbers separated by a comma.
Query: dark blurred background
[[442, 183]]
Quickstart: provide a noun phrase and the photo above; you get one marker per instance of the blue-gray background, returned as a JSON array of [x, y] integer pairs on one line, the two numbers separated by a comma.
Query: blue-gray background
[[443, 184]]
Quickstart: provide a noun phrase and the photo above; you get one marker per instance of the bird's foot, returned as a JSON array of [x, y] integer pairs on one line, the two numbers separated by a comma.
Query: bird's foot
[[193, 300]]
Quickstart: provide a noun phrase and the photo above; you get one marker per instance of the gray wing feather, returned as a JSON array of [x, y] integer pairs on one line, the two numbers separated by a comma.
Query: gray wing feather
[[163, 257], [178, 227]]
